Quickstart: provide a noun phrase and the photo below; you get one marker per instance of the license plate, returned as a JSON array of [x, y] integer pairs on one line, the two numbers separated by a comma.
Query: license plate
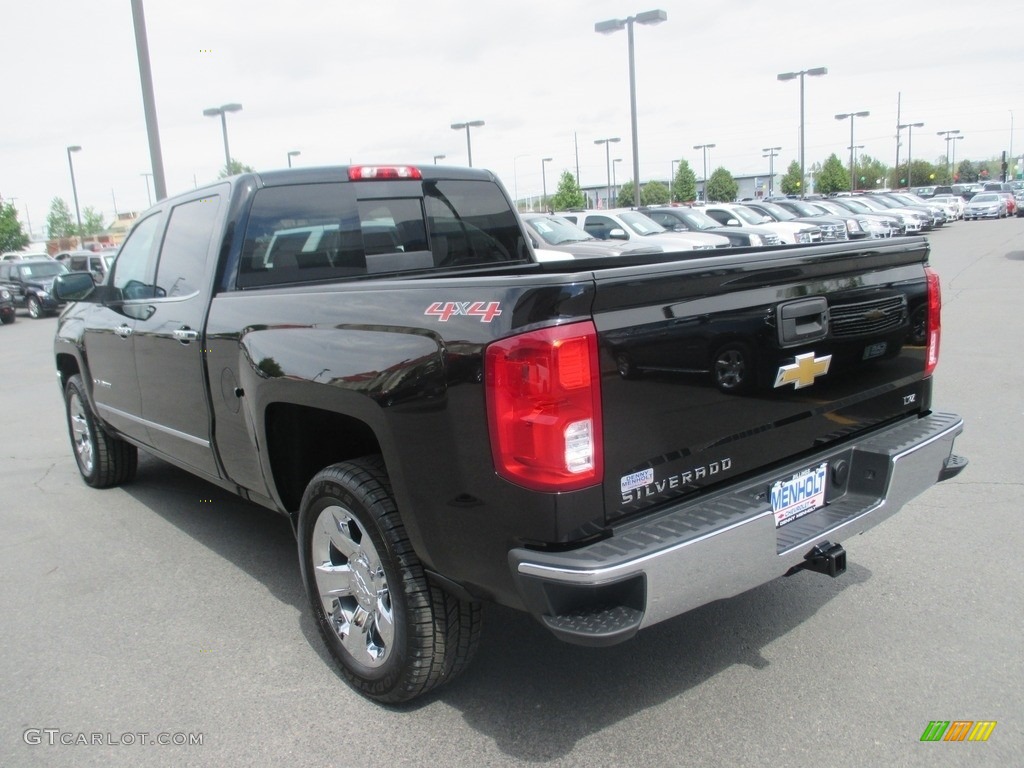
[[875, 350], [800, 495]]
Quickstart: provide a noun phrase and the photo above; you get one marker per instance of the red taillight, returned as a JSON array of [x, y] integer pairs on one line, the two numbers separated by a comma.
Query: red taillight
[[544, 408], [934, 320], [383, 172]]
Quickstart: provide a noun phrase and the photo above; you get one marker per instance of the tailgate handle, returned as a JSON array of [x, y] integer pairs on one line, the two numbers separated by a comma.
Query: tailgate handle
[[803, 321]]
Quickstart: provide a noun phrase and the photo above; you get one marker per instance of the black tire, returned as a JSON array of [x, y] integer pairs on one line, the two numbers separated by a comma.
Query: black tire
[[35, 309], [732, 367], [7, 319], [394, 634], [103, 460]]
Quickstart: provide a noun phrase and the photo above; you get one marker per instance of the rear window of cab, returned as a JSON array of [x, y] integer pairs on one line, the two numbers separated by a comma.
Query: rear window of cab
[[334, 231]]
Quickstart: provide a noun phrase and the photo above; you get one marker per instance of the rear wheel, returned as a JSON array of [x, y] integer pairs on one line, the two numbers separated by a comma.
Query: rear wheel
[[103, 461], [394, 634]]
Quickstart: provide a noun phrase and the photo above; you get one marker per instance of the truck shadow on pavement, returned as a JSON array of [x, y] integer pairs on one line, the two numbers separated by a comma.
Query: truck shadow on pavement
[[534, 696]]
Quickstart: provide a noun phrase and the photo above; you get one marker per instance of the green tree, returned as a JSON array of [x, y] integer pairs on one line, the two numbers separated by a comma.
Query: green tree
[[966, 172], [654, 193], [922, 173], [12, 236], [625, 197], [568, 195], [237, 167], [722, 187], [58, 221], [833, 176], [92, 221], [790, 184], [684, 185], [870, 172]]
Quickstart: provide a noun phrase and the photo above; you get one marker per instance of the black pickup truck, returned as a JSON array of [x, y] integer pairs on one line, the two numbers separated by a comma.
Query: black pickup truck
[[375, 352]]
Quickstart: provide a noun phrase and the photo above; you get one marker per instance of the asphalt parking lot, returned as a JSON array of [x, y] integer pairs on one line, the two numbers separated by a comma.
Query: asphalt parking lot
[[169, 610]]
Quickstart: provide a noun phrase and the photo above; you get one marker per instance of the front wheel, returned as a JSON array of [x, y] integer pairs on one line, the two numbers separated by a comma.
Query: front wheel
[[35, 309], [103, 460], [394, 634]]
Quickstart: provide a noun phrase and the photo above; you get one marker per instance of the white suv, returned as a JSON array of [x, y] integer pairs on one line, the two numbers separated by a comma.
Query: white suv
[[789, 232], [627, 224]]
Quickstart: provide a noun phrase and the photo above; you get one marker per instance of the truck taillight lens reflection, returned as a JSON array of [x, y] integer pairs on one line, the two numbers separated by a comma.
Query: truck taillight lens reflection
[[934, 320], [544, 408]]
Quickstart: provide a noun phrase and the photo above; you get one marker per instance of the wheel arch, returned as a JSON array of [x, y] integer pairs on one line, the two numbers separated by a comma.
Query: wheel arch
[[301, 440]]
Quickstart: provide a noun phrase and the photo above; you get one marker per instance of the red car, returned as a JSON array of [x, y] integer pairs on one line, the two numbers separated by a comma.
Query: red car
[[1011, 203]]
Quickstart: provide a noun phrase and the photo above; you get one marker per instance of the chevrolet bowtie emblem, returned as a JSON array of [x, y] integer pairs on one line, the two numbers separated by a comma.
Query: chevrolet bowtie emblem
[[803, 371]]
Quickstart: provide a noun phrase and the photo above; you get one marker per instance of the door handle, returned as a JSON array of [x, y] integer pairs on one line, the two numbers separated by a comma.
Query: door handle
[[186, 335], [123, 330]]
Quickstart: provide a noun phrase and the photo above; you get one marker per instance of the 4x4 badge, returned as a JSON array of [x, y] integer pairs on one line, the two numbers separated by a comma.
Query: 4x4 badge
[[803, 371]]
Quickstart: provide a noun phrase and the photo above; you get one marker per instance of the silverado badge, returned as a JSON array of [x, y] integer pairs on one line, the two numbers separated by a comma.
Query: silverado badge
[[803, 371]]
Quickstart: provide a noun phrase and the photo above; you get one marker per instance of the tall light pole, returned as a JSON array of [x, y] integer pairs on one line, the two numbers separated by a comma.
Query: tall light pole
[[544, 182], [439, 157], [222, 111], [607, 28], [615, 184], [704, 148], [773, 152], [953, 162], [291, 154], [74, 189], [149, 199], [469, 144], [672, 182], [949, 137], [910, 145], [852, 115], [815, 72], [608, 167], [148, 100]]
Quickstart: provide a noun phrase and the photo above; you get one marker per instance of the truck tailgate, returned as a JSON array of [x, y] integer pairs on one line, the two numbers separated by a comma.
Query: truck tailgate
[[717, 369]]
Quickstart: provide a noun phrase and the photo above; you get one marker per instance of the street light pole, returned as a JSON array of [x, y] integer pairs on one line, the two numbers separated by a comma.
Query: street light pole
[[608, 167], [469, 144], [291, 154], [439, 157], [544, 182], [953, 163], [74, 190], [910, 146], [773, 152], [672, 182], [149, 199], [704, 148], [949, 137], [852, 115], [607, 28], [615, 184], [222, 111], [815, 72]]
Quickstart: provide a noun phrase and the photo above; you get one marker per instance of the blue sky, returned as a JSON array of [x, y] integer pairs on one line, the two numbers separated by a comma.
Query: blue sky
[[383, 81]]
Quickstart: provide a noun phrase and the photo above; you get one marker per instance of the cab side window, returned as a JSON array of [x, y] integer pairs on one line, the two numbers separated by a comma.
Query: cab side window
[[135, 267], [185, 251]]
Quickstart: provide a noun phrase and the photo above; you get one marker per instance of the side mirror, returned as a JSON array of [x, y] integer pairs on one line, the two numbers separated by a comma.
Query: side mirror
[[73, 286], [733, 222], [618, 233]]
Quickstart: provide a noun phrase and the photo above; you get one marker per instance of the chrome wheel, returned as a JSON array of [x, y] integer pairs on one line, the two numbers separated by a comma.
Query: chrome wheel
[[81, 435], [35, 311], [353, 587]]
